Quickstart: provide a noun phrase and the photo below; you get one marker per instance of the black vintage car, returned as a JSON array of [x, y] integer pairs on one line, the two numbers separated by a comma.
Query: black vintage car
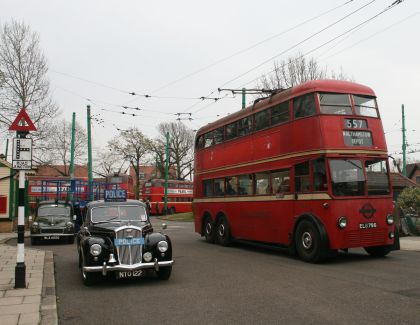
[[118, 238], [54, 220]]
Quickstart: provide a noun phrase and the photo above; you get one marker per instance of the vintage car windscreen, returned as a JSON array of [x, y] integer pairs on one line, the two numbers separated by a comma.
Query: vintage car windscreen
[[53, 211], [117, 213], [53, 220]]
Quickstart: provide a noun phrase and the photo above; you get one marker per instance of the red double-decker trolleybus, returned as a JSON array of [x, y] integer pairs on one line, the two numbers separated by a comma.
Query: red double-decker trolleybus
[[306, 168], [180, 196]]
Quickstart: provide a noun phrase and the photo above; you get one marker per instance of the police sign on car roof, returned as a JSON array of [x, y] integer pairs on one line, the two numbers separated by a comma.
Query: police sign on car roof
[[115, 195]]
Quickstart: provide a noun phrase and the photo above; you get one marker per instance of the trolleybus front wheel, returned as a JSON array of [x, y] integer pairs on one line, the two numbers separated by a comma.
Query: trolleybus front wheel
[[308, 242]]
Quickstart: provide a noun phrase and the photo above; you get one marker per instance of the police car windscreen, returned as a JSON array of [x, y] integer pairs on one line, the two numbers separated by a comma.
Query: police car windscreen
[[119, 213]]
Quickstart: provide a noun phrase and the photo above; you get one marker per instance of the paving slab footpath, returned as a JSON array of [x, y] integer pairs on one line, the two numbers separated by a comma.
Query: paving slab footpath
[[35, 304]]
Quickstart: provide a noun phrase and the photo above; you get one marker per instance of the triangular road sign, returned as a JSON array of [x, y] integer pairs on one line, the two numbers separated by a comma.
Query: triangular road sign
[[22, 122]]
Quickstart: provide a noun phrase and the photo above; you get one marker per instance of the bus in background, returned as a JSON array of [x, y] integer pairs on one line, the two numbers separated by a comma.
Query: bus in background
[[122, 181], [180, 195], [306, 168]]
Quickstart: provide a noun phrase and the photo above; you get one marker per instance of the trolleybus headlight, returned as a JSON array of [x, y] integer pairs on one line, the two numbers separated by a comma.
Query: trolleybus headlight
[[95, 249], [342, 222], [390, 219], [162, 246], [391, 235], [147, 256]]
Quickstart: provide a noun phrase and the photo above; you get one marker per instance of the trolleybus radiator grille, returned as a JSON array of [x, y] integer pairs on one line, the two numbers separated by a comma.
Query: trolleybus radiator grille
[[129, 254], [362, 239]]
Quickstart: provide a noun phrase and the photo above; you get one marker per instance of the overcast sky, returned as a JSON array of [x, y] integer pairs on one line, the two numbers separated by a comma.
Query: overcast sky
[[100, 51]]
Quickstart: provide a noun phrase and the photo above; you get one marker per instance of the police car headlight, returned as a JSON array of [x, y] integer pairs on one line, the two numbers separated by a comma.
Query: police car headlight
[[342, 222], [162, 246], [95, 249], [147, 256], [390, 219], [69, 225]]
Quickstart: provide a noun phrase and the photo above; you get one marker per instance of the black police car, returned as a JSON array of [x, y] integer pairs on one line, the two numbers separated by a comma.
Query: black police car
[[54, 220], [117, 237]]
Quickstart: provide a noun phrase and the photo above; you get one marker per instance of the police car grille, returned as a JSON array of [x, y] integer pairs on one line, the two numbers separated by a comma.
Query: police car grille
[[130, 254]]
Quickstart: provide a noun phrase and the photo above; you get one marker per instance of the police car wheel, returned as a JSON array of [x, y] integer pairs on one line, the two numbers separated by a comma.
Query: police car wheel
[[164, 273]]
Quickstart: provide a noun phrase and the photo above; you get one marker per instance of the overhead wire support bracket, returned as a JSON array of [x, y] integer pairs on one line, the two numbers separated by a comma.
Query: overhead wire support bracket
[[250, 91], [180, 118]]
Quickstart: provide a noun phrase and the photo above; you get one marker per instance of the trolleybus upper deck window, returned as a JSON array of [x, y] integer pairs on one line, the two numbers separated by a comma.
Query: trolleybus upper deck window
[[365, 106], [304, 106], [335, 104]]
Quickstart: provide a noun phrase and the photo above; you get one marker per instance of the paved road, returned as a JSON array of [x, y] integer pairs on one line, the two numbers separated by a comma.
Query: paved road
[[246, 285]]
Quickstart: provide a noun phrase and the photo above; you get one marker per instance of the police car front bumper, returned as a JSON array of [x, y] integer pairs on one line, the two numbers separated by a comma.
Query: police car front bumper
[[140, 266]]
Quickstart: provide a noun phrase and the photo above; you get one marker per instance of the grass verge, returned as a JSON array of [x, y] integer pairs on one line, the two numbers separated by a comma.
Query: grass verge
[[188, 216]]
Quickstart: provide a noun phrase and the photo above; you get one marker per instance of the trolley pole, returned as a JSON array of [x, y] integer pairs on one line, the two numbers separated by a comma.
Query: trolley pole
[[165, 205], [90, 177], [404, 146], [243, 98]]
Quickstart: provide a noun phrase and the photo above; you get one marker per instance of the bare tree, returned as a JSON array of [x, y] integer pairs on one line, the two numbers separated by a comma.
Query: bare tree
[[296, 70], [23, 74], [133, 147], [108, 163], [181, 148], [56, 149]]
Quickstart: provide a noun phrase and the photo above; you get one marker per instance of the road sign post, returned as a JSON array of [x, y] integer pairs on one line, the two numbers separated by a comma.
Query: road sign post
[[21, 160]]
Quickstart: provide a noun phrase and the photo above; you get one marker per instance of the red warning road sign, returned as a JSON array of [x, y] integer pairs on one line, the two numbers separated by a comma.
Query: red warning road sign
[[22, 122]]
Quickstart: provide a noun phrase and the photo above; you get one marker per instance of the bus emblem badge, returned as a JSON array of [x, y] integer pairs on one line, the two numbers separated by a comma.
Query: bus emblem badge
[[367, 210]]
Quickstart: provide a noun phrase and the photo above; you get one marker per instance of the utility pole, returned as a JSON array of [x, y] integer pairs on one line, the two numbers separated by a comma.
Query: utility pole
[[165, 206], [72, 182], [404, 141], [243, 98], [90, 178]]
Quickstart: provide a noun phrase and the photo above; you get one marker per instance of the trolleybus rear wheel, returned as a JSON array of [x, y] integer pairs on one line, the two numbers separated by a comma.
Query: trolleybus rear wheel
[[223, 232], [208, 230]]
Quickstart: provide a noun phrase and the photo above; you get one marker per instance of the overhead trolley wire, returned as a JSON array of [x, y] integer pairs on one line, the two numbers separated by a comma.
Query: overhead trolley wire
[[249, 48], [373, 35], [332, 39], [287, 50], [133, 93], [299, 43]]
